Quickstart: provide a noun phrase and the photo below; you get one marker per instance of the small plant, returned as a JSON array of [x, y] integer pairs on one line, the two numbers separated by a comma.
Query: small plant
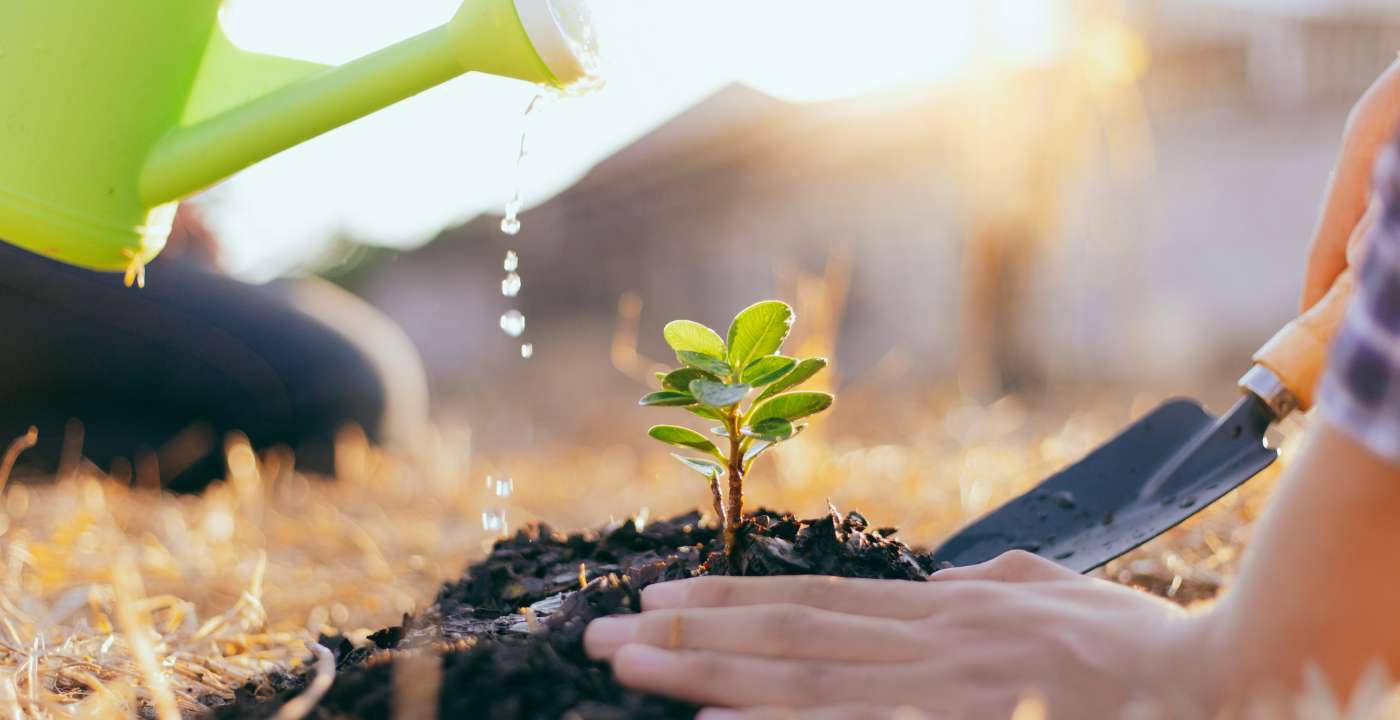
[[716, 378]]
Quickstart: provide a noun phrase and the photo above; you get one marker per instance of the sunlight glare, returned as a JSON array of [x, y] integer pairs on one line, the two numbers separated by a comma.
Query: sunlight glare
[[400, 176]]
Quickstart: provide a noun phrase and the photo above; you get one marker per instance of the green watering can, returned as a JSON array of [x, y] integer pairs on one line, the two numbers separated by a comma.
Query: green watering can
[[111, 111]]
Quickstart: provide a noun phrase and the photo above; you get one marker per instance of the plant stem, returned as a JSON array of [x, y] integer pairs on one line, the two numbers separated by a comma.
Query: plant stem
[[734, 512], [719, 500]]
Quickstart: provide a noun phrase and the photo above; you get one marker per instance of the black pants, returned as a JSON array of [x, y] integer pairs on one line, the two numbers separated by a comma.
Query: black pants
[[190, 358]]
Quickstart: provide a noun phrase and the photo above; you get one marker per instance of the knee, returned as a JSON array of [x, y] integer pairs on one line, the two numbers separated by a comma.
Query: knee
[[374, 378]]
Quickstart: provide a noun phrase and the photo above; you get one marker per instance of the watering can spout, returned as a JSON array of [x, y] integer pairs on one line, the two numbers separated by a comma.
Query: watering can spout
[[197, 109], [270, 104]]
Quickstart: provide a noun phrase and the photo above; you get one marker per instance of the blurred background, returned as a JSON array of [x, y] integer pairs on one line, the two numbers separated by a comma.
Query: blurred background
[[1052, 198]]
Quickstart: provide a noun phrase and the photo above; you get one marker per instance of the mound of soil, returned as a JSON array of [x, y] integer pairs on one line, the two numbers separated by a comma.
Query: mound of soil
[[510, 632]]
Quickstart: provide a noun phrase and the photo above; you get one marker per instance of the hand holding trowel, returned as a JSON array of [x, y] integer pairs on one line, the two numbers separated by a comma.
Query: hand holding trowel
[[1163, 468]]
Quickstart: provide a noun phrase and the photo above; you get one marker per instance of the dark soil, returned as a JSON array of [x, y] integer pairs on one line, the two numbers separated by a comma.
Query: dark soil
[[498, 662]]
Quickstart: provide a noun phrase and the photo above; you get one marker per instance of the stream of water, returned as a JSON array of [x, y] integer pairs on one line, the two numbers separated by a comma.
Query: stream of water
[[582, 41]]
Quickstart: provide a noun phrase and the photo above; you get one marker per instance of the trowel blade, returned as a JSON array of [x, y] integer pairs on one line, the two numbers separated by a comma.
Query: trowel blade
[[1162, 469]]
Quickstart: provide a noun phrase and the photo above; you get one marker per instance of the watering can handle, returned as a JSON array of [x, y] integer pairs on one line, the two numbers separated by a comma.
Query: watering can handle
[[1297, 354]]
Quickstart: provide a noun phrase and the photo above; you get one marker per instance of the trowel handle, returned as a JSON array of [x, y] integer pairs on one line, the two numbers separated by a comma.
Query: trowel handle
[[1297, 354]]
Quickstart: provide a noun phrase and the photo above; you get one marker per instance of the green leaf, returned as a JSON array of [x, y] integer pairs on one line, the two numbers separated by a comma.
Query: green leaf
[[766, 369], [667, 398], [790, 406], [718, 394], [701, 361], [758, 330], [694, 337], [758, 448], [805, 369], [761, 446], [680, 379], [708, 468], [685, 437], [773, 429], [660, 376], [705, 412]]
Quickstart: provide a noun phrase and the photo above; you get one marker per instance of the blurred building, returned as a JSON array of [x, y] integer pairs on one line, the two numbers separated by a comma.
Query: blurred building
[[1151, 234]]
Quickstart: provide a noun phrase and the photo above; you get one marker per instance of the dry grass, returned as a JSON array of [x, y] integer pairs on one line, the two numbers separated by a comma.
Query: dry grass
[[113, 597]]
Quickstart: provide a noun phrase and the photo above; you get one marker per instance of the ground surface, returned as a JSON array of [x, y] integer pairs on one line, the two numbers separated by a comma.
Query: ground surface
[[228, 586]]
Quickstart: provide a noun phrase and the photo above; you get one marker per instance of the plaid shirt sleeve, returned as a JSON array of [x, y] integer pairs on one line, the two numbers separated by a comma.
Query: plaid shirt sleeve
[[1360, 393]]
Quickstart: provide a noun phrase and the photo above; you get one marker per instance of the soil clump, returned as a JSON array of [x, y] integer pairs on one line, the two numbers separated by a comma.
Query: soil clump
[[509, 633]]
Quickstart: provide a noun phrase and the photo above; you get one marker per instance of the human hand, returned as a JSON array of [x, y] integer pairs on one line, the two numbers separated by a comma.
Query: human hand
[[1349, 209], [968, 644]]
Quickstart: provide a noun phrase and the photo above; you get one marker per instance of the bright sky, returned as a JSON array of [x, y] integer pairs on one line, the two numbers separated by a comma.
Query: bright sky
[[402, 175]]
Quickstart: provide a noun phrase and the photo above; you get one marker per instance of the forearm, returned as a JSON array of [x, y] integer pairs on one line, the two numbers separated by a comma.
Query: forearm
[[1371, 124], [1319, 582]]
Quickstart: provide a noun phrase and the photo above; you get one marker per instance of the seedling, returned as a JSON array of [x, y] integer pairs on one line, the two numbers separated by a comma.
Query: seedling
[[715, 381]]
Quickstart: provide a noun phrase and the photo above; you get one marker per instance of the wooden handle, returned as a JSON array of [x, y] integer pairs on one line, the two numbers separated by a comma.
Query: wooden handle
[[1297, 354]]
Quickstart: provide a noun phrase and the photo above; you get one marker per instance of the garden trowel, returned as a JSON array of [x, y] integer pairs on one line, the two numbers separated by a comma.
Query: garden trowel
[[1163, 468]]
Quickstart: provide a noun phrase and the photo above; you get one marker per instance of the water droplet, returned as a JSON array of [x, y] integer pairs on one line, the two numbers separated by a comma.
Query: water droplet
[[513, 323], [527, 350], [512, 262], [490, 483], [494, 520], [510, 285], [504, 487], [510, 224]]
